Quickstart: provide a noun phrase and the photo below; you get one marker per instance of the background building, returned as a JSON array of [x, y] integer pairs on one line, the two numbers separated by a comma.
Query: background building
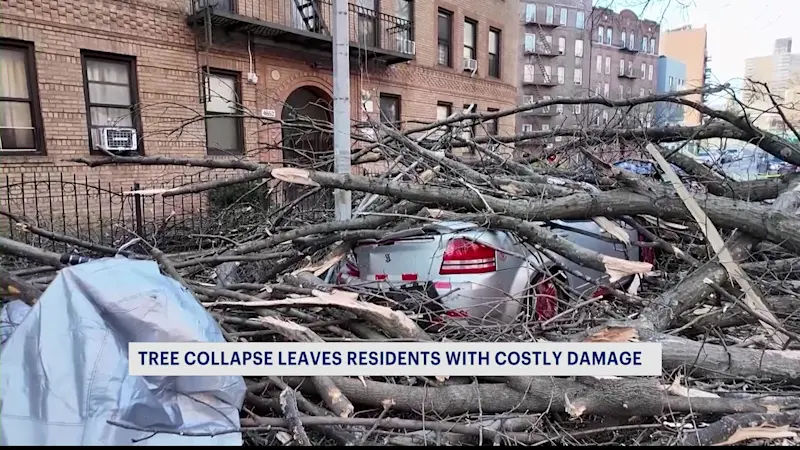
[[553, 60], [624, 56], [689, 46], [79, 67], [671, 77], [781, 72]]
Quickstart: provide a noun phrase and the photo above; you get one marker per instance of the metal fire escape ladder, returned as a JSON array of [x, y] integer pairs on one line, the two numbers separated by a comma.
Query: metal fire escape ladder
[[309, 13], [541, 37]]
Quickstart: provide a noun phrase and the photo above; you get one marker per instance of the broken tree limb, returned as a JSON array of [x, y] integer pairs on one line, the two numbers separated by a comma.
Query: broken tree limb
[[754, 219], [752, 298], [292, 414], [724, 429], [622, 398], [19, 287]]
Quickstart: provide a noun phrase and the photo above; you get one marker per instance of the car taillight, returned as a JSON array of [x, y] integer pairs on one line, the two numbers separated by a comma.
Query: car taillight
[[463, 256], [646, 254]]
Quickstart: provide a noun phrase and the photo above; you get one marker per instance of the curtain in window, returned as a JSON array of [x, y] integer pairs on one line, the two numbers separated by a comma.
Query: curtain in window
[[16, 126]]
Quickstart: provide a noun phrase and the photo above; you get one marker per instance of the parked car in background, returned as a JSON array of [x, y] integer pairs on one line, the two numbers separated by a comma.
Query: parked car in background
[[468, 273]]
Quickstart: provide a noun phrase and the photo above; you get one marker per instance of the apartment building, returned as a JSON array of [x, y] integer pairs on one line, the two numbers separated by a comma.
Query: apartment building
[[671, 76], [624, 56], [208, 78], [554, 60], [689, 45], [781, 72]]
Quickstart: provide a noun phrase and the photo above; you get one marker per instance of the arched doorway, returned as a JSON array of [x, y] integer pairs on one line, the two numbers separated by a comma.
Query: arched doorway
[[307, 147]]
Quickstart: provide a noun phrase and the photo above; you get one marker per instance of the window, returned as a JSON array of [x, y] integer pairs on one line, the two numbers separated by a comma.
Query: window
[[224, 131], [600, 33], [653, 46], [530, 12], [644, 70], [630, 67], [632, 41], [671, 83], [562, 17], [644, 44], [650, 72], [545, 127], [493, 125], [549, 47], [530, 42], [405, 11], [468, 129], [579, 20], [390, 110], [621, 67], [559, 107], [494, 53], [470, 37], [624, 37], [562, 45], [578, 76], [549, 15], [608, 65], [579, 48], [111, 96], [546, 98], [527, 128], [527, 74], [609, 35], [605, 90], [576, 109], [641, 92], [621, 93], [20, 117], [605, 117], [367, 22], [599, 64], [560, 73], [443, 111], [445, 37]]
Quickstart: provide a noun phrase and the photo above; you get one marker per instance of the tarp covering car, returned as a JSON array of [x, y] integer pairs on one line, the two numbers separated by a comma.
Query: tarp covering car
[[64, 369]]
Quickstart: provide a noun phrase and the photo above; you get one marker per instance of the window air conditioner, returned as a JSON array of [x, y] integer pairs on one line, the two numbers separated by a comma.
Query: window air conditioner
[[470, 64], [118, 139], [527, 99]]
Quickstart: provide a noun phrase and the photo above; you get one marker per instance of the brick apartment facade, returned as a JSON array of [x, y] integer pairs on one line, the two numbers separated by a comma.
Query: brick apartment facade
[[554, 46], [110, 57], [624, 59]]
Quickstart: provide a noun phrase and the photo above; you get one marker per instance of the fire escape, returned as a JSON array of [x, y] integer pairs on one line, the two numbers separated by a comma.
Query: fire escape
[[538, 83]]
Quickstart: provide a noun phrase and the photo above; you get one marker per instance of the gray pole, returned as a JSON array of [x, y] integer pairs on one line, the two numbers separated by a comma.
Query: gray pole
[[341, 105]]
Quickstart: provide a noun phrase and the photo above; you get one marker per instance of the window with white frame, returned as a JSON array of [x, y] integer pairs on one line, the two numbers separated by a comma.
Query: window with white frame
[[624, 37], [549, 40], [605, 117], [599, 64], [20, 119], [622, 67], [530, 12], [527, 128], [546, 98], [530, 42], [562, 45], [549, 14], [559, 108], [644, 70], [632, 41], [562, 17], [224, 131], [560, 74], [579, 48], [578, 76], [609, 35], [579, 18], [605, 90], [528, 71], [644, 44], [576, 109], [545, 127], [671, 83], [653, 46], [641, 92], [621, 93], [547, 74], [650, 72], [608, 65], [601, 31]]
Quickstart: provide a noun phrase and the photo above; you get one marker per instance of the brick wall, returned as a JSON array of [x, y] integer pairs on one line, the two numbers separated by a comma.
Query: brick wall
[[167, 64]]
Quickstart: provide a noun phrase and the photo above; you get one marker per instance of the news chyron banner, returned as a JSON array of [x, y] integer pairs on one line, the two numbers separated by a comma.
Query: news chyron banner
[[394, 359]]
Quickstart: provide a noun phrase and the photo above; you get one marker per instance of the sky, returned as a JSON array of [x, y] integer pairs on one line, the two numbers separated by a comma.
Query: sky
[[737, 29]]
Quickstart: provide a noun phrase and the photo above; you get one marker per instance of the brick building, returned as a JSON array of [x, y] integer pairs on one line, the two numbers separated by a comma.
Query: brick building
[[624, 57], [70, 69], [554, 60]]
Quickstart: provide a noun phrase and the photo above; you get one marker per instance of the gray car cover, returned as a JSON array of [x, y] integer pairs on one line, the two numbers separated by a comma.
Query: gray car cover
[[64, 369]]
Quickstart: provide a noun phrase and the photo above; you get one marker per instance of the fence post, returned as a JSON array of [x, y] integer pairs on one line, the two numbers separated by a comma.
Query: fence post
[[137, 210]]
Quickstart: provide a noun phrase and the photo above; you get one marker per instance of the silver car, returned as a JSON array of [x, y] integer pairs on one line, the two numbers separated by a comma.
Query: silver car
[[467, 272]]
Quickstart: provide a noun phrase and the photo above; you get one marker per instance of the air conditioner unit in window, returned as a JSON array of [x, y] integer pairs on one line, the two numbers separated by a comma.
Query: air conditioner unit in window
[[114, 139], [470, 64], [406, 46], [527, 99]]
